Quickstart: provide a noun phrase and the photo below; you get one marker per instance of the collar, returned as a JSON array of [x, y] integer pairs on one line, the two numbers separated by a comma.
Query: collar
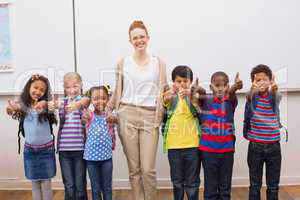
[[217, 100]]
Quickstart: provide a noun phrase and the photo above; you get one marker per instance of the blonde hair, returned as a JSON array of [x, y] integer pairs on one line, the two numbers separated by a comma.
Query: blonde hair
[[137, 24], [72, 76]]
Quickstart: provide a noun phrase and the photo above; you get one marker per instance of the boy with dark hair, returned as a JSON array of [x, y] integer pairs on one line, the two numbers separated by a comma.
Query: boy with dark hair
[[217, 144], [262, 129], [181, 135]]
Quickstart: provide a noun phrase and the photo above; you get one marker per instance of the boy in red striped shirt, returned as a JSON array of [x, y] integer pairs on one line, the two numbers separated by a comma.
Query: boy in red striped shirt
[[262, 129], [217, 141]]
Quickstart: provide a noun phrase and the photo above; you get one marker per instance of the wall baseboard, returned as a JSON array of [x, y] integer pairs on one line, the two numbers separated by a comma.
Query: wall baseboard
[[163, 183]]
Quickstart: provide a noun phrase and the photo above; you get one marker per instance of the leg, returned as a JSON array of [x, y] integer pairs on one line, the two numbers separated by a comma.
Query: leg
[[255, 163], [36, 190], [95, 178], [273, 167], [129, 138], [210, 163], [191, 165], [67, 173], [46, 190], [176, 172], [148, 149], [80, 176], [226, 176], [106, 176]]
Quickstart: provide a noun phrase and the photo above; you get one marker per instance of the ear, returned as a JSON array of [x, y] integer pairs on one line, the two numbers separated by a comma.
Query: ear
[[211, 87]]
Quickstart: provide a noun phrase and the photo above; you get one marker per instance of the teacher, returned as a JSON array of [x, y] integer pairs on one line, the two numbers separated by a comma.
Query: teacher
[[140, 79]]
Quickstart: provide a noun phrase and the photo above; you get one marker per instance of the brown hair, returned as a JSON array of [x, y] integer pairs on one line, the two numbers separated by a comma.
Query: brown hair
[[137, 24]]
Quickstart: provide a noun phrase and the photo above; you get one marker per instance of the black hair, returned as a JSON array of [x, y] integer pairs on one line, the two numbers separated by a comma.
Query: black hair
[[105, 88], [182, 71], [26, 101], [220, 73], [261, 69]]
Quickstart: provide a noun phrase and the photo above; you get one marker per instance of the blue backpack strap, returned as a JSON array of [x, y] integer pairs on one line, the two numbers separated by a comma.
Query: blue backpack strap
[[275, 100]]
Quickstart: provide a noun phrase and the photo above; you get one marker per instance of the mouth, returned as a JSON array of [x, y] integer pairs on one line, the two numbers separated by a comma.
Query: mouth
[[140, 45]]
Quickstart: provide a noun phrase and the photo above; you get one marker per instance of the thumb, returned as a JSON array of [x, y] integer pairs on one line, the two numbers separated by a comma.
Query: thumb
[[237, 76], [10, 103], [55, 97], [273, 78], [197, 82]]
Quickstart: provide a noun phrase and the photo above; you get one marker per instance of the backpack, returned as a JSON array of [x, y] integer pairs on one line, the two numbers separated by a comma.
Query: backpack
[[169, 113]]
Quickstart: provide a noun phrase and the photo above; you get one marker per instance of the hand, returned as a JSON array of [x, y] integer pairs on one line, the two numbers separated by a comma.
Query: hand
[[255, 85], [197, 90], [12, 107], [86, 115], [169, 93], [184, 92], [238, 83], [54, 104], [73, 106], [274, 86], [40, 106], [110, 118]]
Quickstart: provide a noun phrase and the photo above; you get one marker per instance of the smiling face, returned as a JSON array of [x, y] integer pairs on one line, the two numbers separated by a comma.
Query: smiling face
[[219, 86], [72, 87], [37, 90], [139, 39], [99, 99]]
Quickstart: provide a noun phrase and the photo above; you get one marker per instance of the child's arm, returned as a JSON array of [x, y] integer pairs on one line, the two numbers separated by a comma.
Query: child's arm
[[111, 118], [86, 116], [246, 122], [84, 102]]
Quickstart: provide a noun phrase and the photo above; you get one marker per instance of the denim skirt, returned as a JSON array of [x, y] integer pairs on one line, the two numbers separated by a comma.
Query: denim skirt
[[39, 164]]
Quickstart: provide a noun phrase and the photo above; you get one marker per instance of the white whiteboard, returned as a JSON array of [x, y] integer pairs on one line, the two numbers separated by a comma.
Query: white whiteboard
[[229, 35], [41, 40]]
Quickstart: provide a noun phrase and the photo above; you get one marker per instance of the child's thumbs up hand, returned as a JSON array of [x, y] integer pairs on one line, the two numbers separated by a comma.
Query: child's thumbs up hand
[[274, 86], [54, 104], [168, 94], [86, 115], [40, 106], [12, 107], [238, 82]]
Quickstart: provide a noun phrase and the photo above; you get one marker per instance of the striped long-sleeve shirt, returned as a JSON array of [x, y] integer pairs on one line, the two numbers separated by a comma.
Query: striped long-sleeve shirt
[[264, 126], [217, 125], [71, 136]]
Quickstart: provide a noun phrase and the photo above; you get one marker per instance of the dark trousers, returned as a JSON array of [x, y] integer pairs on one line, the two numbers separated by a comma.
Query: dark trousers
[[73, 171], [100, 173], [185, 172], [258, 155], [217, 175]]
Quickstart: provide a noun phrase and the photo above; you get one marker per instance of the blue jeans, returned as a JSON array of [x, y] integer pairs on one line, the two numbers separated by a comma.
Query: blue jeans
[[73, 170], [185, 171], [258, 155], [217, 175], [100, 173]]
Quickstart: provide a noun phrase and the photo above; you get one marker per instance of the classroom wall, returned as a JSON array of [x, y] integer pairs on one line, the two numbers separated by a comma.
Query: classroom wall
[[11, 167]]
